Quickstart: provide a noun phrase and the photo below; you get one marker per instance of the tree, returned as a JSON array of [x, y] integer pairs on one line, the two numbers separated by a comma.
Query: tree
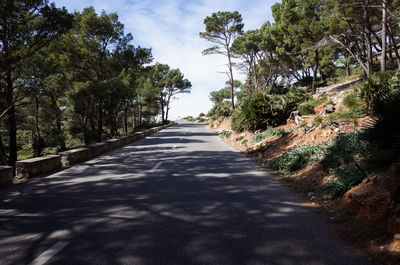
[[221, 29], [299, 21], [25, 28], [247, 47]]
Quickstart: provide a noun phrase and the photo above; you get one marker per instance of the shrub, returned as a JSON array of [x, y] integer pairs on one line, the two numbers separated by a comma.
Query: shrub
[[240, 138], [378, 84], [225, 134], [263, 110], [344, 179], [307, 108], [383, 133], [302, 125], [318, 120], [269, 133], [296, 158]]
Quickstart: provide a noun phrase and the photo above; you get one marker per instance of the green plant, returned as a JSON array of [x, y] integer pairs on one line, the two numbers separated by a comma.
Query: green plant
[[269, 133], [344, 179], [240, 138], [245, 141], [296, 158], [302, 125], [225, 134], [262, 110], [307, 107], [318, 120], [383, 132], [378, 84]]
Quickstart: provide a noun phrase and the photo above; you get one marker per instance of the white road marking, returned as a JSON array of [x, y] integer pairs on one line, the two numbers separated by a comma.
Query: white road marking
[[48, 254], [155, 167]]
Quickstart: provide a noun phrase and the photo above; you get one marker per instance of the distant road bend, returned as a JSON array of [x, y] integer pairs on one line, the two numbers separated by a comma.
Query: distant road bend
[[180, 196]]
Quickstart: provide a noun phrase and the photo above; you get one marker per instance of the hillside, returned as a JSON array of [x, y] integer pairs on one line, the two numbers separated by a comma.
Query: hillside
[[364, 211]]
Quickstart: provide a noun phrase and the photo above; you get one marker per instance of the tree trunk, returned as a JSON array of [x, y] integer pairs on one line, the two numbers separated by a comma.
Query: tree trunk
[[384, 21], [316, 64], [12, 122], [99, 123], [231, 78], [126, 120], [62, 139], [37, 143], [162, 110], [396, 51], [367, 34]]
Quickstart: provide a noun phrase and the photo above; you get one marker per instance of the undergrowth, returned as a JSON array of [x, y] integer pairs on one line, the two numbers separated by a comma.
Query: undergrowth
[[296, 158], [269, 133]]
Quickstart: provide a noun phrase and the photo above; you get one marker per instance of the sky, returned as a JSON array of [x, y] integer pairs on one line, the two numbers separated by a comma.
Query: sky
[[171, 28]]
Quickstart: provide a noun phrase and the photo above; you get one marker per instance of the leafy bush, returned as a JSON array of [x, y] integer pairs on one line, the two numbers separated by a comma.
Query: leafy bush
[[269, 133], [344, 179], [318, 120], [225, 134], [296, 158], [223, 109], [378, 84], [307, 108], [302, 125], [240, 138], [383, 133], [263, 110]]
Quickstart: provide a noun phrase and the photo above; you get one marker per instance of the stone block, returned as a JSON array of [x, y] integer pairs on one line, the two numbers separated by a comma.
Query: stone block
[[114, 144], [74, 156], [124, 140], [29, 168], [6, 176], [99, 148]]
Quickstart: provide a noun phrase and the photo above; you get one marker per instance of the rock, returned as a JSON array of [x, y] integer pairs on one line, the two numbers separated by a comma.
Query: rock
[[337, 130], [314, 198], [397, 237], [329, 108], [310, 194], [313, 138]]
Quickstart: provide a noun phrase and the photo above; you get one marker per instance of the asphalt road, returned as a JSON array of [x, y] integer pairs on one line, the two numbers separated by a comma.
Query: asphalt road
[[180, 196]]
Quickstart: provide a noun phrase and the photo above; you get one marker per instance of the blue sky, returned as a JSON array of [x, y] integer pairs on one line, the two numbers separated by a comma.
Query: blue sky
[[171, 28]]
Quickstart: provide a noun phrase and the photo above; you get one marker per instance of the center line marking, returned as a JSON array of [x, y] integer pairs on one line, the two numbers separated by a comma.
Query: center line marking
[[155, 167], [48, 254]]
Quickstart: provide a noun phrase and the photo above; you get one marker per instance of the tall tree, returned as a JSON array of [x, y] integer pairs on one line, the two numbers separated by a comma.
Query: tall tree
[[299, 21], [25, 28], [221, 29]]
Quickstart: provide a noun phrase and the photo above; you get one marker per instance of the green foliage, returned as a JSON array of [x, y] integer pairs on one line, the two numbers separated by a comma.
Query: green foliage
[[296, 158], [269, 133], [307, 108], [344, 179], [318, 120], [302, 125], [377, 85], [225, 134], [262, 110], [240, 138], [383, 133]]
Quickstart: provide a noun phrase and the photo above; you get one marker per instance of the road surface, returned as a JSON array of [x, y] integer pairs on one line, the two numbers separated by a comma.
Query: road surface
[[180, 196]]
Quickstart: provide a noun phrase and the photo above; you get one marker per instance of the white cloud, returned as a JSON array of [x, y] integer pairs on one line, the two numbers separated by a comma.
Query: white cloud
[[171, 28]]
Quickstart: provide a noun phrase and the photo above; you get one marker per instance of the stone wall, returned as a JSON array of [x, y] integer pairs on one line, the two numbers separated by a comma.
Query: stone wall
[[99, 148], [6, 175], [29, 168], [114, 144], [26, 169], [75, 156]]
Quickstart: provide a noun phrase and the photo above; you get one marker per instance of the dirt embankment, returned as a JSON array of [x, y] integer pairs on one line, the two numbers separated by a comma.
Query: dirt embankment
[[367, 216]]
